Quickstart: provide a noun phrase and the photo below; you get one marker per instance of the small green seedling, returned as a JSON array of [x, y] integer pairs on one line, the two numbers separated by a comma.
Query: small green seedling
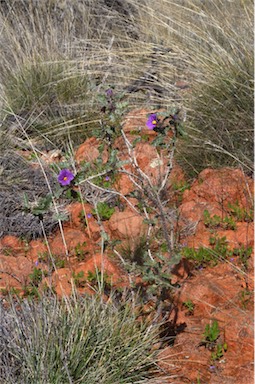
[[241, 214], [211, 335], [31, 292], [228, 223], [79, 252], [104, 211], [216, 221], [96, 278], [244, 253], [211, 221], [79, 279], [36, 276], [245, 297], [190, 306], [220, 349]]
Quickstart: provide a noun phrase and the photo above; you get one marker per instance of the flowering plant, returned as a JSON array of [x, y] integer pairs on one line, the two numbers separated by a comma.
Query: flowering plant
[[65, 177], [152, 121]]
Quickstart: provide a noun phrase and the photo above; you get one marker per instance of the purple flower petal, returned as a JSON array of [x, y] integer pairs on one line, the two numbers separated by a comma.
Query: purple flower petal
[[152, 121], [89, 215], [107, 178], [65, 177], [109, 92]]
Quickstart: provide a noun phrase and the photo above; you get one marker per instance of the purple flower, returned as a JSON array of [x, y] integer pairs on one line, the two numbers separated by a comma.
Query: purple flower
[[36, 263], [212, 367], [65, 177], [107, 178], [109, 92], [152, 121], [232, 259], [89, 215]]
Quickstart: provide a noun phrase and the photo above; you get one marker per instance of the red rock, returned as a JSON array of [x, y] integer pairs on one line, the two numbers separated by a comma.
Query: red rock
[[36, 249], [61, 282], [126, 224], [242, 236], [215, 292], [123, 184], [222, 186], [150, 162], [13, 245], [88, 151], [193, 211], [14, 271], [73, 237], [77, 220], [177, 175], [97, 261], [76, 211], [245, 234]]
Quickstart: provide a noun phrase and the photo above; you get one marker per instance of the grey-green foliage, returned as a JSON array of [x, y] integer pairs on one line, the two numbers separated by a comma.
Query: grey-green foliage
[[76, 340]]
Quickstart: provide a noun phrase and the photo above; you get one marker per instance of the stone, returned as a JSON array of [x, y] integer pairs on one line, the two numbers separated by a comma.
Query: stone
[[76, 212], [222, 186], [126, 225], [14, 271], [60, 281], [73, 238], [123, 184], [12, 245], [36, 248], [114, 274], [193, 211], [215, 292], [88, 151]]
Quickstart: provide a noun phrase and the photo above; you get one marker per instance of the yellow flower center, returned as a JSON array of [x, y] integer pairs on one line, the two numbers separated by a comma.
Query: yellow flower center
[[65, 178], [154, 122]]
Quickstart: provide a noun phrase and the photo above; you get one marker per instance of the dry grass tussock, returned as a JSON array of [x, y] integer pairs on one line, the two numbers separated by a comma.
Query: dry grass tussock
[[55, 63]]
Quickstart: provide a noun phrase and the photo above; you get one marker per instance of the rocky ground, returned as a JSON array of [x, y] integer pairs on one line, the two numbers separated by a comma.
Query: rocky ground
[[221, 292]]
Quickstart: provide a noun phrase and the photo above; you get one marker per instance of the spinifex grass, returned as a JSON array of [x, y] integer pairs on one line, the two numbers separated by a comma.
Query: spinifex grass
[[76, 340], [215, 42]]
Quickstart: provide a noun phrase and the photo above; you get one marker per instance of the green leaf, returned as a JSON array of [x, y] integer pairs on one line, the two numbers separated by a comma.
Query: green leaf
[[43, 205]]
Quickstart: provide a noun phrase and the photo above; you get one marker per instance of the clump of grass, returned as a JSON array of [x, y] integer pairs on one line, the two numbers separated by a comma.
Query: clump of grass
[[214, 40], [48, 59], [76, 340], [48, 100], [220, 118]]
